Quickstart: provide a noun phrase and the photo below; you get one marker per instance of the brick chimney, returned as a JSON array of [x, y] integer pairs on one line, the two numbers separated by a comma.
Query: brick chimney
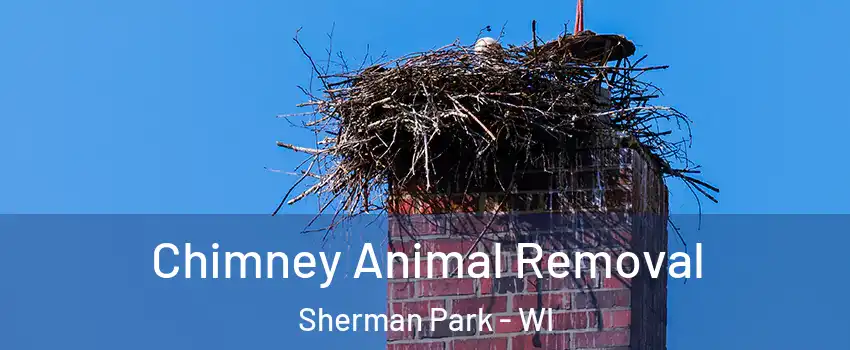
[[597, 198]]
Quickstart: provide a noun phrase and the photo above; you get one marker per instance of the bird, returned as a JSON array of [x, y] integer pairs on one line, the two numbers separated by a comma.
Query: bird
[[486, 44]]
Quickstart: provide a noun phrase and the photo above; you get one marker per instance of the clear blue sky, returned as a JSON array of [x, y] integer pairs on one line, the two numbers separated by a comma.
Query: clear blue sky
[[169, 107]]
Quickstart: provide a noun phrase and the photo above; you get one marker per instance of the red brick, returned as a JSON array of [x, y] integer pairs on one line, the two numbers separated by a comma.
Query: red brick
[[571, 283], [557, 301], [421, 308], [491, 304], [616, 318], [404, 334], [601, 339], [523, 342], [417, 346], [445, 287], [442, 245], [570, 320], [603, 299], [481, 344], [486, 285], [505, 285], [555, 341], [412, 226], [532, 284], [447, 245], [398, 270], [402, 290], [616, 282]]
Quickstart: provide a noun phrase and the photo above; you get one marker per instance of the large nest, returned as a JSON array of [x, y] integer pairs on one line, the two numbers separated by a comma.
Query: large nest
[[453, 120]]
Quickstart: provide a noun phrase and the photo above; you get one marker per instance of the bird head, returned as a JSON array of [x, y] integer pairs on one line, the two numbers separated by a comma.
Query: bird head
[[486, 44]]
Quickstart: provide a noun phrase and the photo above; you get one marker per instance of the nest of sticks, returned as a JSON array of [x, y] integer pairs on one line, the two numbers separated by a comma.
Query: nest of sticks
[[456, 120]]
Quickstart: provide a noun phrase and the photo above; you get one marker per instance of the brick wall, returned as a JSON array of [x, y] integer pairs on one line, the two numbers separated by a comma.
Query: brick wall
[[612, 200]]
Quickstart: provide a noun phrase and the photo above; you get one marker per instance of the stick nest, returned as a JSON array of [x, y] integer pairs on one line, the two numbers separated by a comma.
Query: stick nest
[[451, 120]]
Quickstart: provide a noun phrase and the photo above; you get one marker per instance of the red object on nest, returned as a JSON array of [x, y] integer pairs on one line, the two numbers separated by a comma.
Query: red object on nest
[[579, 17]]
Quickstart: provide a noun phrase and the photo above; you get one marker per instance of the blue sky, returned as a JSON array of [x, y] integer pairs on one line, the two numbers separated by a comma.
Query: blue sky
[[169, 107]]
